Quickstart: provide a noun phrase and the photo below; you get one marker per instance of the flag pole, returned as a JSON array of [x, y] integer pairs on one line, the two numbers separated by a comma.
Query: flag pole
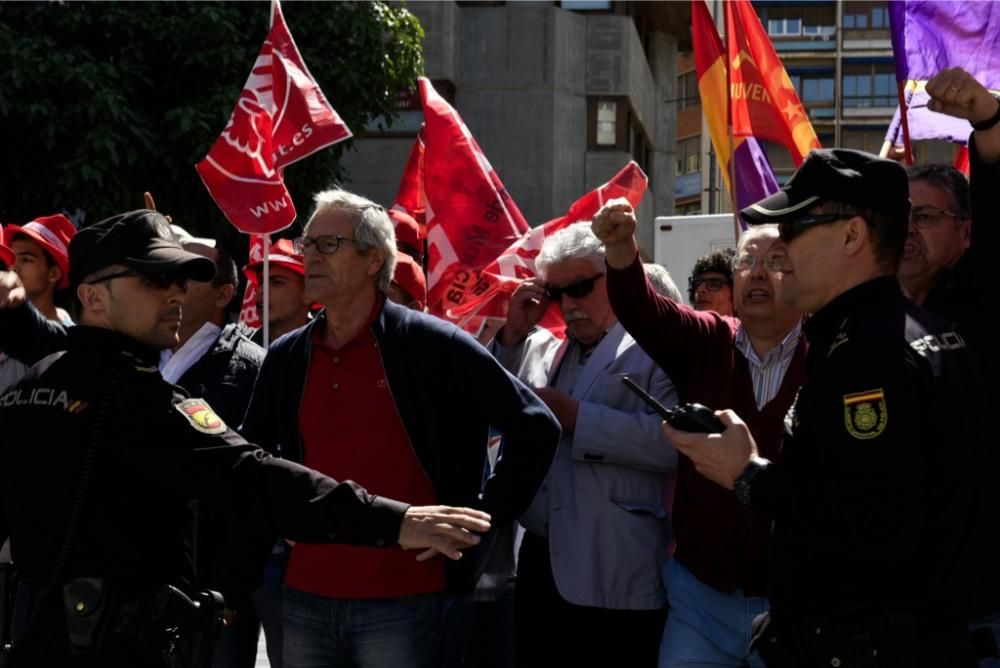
[[265, 316], [904, 122], [731, 165]]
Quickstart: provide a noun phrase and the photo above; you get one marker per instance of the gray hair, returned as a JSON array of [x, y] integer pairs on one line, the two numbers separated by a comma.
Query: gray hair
[[372, 227], [754, 233], [662, 281], [575, 242]]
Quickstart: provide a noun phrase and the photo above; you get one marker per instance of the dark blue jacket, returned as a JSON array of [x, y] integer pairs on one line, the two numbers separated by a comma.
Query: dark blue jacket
[[448, 391]]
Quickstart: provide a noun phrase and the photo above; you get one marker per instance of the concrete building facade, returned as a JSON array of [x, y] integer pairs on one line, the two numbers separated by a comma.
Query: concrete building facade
[[559, 95]]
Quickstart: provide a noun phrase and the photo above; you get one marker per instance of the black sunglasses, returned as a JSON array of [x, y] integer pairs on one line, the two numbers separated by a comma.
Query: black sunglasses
[[577, 290], [790, 230], [160, 280]]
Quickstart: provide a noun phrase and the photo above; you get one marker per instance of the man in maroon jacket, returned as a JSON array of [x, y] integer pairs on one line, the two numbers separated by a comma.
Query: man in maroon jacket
[[717, 580]]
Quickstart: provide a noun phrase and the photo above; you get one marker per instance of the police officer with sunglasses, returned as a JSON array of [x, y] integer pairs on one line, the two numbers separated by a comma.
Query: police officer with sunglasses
[[875, 498], [100, 458]]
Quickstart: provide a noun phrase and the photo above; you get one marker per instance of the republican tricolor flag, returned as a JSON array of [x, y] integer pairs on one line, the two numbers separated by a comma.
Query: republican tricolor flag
[[281, 116], [743, 160]]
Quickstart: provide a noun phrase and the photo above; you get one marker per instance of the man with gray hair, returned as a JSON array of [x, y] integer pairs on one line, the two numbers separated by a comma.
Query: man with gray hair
[[662, 281], [717, 579], [588, 587], [403, 401]]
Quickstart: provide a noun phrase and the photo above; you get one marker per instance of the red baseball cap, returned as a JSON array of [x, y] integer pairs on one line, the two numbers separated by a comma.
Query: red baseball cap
[[51, 233], [283, 254], [6, 254], [410, 234], [410, 277]]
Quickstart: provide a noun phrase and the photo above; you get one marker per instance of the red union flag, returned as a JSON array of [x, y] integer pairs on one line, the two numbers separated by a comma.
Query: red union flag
[[249, 315], [281, 116], [410, 197], [470, 216], [517, 263]]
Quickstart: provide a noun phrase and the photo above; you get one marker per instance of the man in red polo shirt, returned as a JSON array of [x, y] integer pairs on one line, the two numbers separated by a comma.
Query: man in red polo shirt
[[401, 402]]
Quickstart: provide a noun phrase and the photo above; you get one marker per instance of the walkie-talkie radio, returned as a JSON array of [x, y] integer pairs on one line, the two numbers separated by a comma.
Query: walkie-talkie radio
[[686, 417]]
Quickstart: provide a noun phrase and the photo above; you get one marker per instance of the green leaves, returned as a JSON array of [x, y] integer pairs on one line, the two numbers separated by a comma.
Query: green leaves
[[101, 101]]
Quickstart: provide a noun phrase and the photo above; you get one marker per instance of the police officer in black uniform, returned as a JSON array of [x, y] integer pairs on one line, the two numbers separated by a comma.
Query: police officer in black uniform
[[100, 456], [875, 499]]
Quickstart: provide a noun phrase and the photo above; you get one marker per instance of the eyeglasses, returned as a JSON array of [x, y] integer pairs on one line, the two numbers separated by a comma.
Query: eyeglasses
[[577, 290], [790, 230], [326, 244], [747, 261], [159, 280], [929, 216], [711, 284]]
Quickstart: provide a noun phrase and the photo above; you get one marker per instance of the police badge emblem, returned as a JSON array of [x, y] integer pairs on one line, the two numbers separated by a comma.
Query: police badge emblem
[[865, 414], [201, 416]]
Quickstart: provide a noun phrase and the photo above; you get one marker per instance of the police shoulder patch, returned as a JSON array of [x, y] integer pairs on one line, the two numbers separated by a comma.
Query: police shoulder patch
[[201, 416], [865, 413]]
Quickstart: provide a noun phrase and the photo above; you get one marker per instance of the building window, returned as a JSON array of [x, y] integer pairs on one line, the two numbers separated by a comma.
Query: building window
[[607, 123], [586, 5], [687, 90], [779, 157], [689, 209], [689, 155], [607, 120], [863, 139], [867, 15], [869, 85], [816, 90], [792, 21]]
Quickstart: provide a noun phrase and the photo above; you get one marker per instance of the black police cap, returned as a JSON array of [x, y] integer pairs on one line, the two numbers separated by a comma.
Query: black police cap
[[842, 175], [141, 240]]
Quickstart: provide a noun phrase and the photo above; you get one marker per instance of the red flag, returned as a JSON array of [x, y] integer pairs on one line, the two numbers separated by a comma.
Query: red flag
[[517, 263], [763, 100], [249, 315], [410, 197], [470, 216], [280, 117], [962, 160]]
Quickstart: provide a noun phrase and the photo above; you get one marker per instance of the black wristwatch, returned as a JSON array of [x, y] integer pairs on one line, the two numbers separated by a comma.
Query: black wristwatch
[[989, 122], [742, 485]]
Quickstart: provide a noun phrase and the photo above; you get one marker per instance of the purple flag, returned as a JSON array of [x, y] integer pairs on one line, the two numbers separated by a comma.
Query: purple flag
[[754, 176], [929, 36]]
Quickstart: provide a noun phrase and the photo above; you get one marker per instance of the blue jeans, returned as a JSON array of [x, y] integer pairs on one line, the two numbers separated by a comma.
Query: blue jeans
[[706, 627], [237, 645], [323, 632]]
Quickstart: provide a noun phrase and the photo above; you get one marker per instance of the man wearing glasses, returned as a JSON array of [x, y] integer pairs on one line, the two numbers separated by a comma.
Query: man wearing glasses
[[588, 588], [876, 495], [949, 265], [710, 286], [717, 580], [401, 402]]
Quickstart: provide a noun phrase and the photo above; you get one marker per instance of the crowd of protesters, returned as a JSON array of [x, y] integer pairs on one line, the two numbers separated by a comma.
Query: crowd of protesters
[[614, 541]]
